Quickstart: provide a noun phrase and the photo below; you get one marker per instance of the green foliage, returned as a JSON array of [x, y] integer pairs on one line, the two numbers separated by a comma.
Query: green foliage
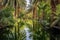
[[6, 16], [12, 29], [22, 35], [6, 22], [44, 8], [39, 32], [58, 10]]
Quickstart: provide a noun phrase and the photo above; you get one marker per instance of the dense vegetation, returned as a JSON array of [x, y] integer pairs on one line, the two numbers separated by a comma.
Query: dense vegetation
[[41, 17]]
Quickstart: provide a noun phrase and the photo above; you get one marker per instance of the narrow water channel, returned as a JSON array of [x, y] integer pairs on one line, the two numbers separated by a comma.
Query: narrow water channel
[[27, 34]]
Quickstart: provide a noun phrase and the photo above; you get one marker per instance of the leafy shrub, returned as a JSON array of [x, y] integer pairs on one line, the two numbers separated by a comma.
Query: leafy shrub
[[6, 22]]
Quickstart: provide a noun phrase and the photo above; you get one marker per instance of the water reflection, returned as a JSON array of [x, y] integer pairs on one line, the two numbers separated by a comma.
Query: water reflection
[[27, 34]]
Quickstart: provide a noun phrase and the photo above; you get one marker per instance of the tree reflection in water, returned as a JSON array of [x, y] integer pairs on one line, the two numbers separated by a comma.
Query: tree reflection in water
[[27, 34]]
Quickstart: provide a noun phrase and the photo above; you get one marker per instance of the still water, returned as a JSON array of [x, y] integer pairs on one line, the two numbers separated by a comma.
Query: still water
[[27, 34]]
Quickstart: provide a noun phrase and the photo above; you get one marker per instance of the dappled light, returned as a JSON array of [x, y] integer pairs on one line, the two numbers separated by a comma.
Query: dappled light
[[29, 19]]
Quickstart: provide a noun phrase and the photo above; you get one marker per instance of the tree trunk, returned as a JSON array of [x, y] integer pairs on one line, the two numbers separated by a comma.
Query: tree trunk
[[53, 8], [53, 14], [34, 16]]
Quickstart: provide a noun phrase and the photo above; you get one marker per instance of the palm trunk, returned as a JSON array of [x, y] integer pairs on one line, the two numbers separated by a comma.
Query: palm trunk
[[53, 8], [34, 17], [16, 8], [34, 12]]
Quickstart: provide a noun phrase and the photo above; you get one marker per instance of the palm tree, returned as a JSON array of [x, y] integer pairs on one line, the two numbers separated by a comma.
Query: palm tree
[[4, 3]]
